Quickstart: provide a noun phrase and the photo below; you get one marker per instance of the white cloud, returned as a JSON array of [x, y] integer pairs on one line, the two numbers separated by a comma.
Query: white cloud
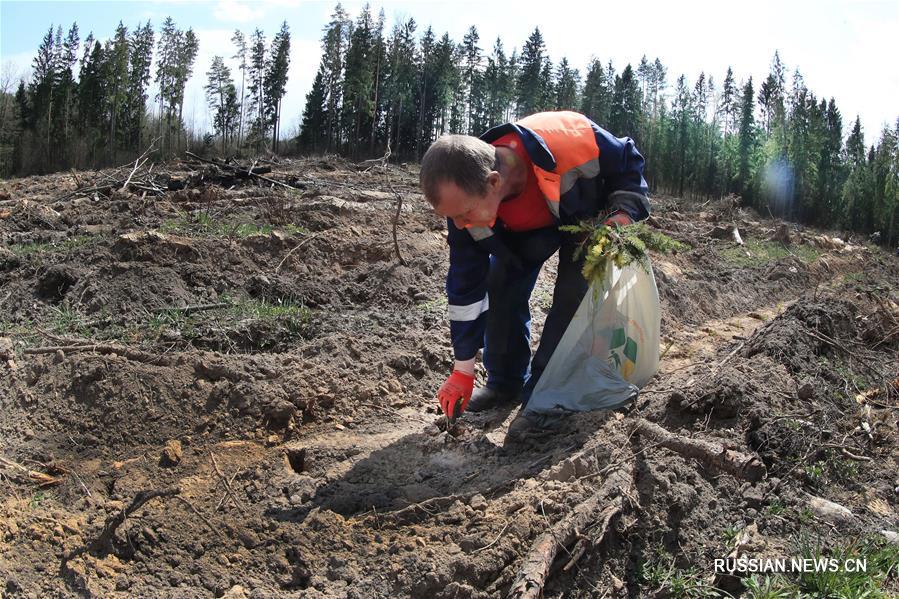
[[237, 12]]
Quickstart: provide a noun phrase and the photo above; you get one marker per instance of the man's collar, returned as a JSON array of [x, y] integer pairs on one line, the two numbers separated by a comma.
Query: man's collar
[[534, 145]]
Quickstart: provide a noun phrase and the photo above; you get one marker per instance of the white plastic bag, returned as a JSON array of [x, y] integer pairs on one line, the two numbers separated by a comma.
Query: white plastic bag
[[609, 350]]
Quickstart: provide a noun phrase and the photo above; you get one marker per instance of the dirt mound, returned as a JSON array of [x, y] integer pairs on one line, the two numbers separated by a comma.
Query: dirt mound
[[805, 332]]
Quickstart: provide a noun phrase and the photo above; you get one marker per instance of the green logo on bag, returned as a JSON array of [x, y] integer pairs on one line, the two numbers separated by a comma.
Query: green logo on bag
[[623, 352]]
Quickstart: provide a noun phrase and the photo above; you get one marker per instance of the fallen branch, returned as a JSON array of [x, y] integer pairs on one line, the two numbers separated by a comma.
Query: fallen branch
[[709, 453], [422, 510], [845, 451], [28, 475], [141, 160], [491, 544], [224, 480], [239, 171], [131, 354], [602, 506]]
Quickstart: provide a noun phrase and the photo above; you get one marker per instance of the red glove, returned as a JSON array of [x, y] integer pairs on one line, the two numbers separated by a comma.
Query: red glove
[[456, 391], [619, 218]]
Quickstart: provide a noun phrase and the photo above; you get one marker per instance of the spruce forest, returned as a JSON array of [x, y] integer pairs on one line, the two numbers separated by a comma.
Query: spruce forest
[[773, 142]]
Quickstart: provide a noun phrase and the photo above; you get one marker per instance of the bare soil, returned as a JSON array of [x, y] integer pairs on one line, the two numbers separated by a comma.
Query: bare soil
[[265, 353]]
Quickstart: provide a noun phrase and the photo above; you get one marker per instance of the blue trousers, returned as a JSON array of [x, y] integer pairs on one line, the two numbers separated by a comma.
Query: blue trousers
[[507, 340]]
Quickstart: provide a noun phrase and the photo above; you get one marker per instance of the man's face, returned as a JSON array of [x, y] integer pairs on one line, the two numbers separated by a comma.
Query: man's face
[[466, 210]]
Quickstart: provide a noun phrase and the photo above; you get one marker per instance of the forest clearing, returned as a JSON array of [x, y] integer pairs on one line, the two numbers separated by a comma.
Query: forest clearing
[[217, 383]]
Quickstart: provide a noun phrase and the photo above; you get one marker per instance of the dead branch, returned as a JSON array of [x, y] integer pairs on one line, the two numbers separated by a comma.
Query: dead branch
[[709, 453], [26, 474], [224, 480], [255, 172], [491, 544], [602, 506], [132, 354], [417, 512], [385, 164], [141, 160]]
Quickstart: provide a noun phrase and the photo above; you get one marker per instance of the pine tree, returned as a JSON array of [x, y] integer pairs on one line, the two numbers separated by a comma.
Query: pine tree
[[497, 84], [429, 90], [66, 84], [240, 43], [116, 83], [859, 187], [334, 43], [40, 92], [747, 142], [141, 57], [186, 56], [855, 145], [401, 122], [644, 77], [625, 118], [176, 52], [471, 79], [276, 80], [315, 118], [91, 94], [729, 107], [256, 108], [682, 116], [595, 98], [547, 91], [567, 87], [222, 99], [766, 101], [378, 61], [358, 82], [529, 81]]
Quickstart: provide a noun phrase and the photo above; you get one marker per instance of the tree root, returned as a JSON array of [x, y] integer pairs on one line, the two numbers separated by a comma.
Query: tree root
[[713, 454], [602, 507], [104, 348], [19, 472]]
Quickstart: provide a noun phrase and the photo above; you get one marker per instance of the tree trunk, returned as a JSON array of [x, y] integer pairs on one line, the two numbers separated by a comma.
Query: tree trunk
[[374, 120]]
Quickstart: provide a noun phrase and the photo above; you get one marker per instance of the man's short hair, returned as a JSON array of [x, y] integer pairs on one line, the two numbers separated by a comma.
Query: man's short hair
[[461, 159]]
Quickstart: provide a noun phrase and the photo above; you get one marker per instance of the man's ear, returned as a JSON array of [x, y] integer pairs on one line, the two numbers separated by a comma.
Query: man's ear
[[494, 180]]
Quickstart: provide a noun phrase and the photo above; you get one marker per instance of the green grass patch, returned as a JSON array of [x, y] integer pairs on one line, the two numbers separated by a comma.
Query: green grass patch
[[201, 224], [763, 252], [880, 558], [776, 507], [65, 245], [264, 310], [292, 315], [875, 580], [768, 587], [660, 577]]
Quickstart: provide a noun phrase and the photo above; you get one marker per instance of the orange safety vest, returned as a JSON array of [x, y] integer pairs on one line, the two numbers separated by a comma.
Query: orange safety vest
[[571, 141]]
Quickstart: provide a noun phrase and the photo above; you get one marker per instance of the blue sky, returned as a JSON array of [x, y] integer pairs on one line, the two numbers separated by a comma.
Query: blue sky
[[846, 49]]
